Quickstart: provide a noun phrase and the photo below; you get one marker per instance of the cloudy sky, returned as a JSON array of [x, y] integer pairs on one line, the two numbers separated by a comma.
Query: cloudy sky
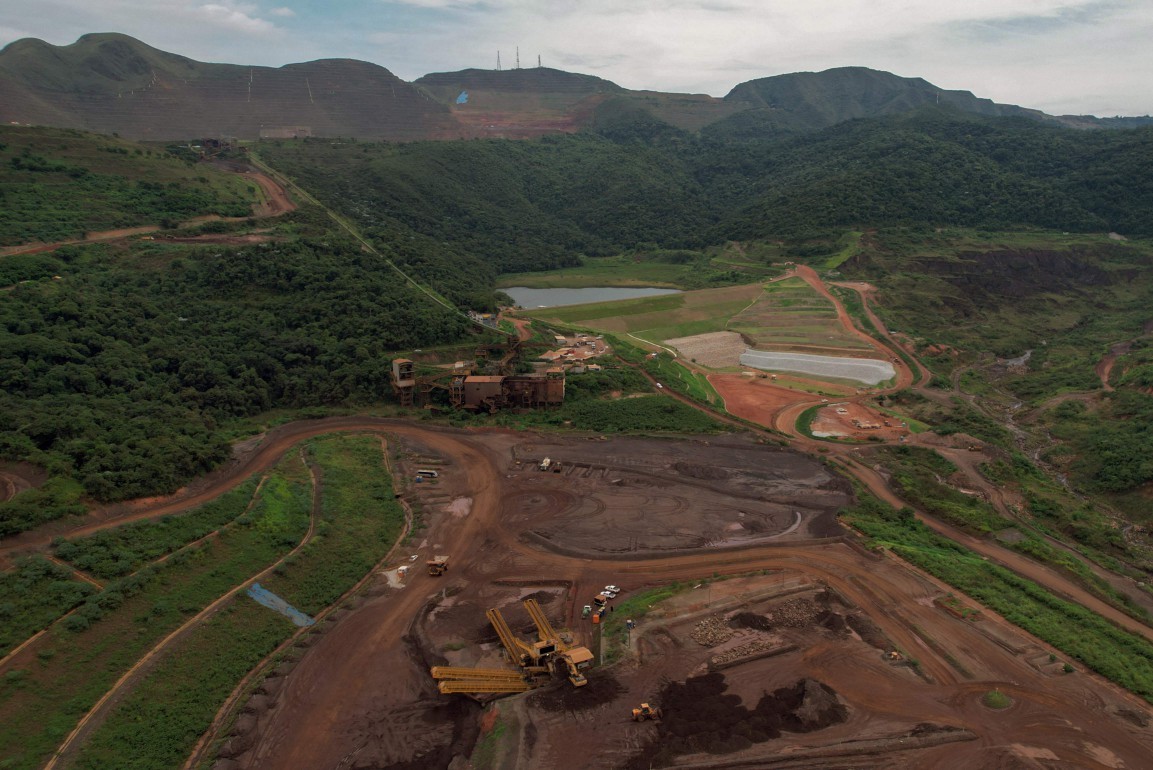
[[1061, 56]]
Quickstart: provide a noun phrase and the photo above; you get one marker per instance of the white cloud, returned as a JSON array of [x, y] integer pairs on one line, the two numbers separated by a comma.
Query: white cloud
[[1056, 55], [236, 18]]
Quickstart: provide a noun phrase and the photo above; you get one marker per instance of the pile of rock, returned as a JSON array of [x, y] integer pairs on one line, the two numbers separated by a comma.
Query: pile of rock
[[744, 650], [795, 613], [711, 631]]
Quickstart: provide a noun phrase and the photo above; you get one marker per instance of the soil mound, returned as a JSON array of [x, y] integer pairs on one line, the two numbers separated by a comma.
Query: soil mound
[[819, 708], [563, 697], [869, 632], [751, 620], [700, 717], [834, 621], [707, 472], [795, 613]]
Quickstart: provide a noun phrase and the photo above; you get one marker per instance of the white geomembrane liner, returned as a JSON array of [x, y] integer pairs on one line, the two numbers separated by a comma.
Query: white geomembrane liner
[[869, 371]]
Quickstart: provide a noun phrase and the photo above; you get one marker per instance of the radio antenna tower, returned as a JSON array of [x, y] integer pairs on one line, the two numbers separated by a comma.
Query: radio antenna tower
[[538, 61], [518, 57], [498, 61]]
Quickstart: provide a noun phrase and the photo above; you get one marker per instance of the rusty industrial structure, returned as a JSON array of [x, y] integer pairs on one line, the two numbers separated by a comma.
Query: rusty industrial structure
[[480, 392]]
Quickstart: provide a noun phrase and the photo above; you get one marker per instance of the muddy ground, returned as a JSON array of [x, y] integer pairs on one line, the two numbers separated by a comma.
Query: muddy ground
[[789, 659], [856, 421]]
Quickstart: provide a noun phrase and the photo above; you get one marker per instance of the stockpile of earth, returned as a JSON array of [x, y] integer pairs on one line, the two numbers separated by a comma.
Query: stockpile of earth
[[711, 631], [751, 620], [795, 613], [699, 717], [602, 688]]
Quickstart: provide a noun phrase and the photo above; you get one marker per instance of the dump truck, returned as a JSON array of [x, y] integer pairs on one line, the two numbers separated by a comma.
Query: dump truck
[[437, 565], [647, 712]]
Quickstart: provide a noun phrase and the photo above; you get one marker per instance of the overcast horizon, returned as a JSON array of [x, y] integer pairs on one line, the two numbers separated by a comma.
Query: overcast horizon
[[1080, 57]]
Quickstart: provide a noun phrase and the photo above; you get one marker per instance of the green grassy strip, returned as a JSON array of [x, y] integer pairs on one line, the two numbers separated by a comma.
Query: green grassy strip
[[359, 522], [164, 716], [117, 552], [33, 595], [805, 420], [79, 659], [1122, 657], [614, 632]]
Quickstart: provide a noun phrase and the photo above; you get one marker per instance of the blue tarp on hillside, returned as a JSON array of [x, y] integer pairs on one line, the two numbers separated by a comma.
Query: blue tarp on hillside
[[274, 602], [463, 98]]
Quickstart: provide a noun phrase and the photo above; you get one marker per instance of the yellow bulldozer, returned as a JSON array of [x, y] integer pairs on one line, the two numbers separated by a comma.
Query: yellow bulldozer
[[647, 711]]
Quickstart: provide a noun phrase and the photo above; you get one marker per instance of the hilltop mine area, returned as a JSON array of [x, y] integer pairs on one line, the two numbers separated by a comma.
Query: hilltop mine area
[[759, 633]]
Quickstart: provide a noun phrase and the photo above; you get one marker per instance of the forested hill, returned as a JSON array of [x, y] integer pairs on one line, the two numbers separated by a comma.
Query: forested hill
[[514, 206], [125, 374], [113, 83]]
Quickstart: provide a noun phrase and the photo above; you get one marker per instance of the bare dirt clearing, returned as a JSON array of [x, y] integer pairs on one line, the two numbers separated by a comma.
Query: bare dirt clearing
[[757, 400], [716, 350], [814, 622], [856, 421]]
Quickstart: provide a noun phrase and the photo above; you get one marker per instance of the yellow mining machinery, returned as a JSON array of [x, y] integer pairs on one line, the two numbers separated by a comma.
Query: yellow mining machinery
[[535, 661], [479, 680]]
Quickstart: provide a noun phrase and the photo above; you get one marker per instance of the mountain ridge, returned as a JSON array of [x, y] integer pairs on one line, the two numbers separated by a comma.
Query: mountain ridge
[[114, 83]]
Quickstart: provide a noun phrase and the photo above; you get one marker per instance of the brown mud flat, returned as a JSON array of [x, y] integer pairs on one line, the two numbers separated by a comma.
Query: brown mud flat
[[755, 399], [360, 695], [856, 421]]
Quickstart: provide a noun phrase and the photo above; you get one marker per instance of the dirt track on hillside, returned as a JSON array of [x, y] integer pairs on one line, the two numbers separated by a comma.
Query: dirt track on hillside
[[275, 202]]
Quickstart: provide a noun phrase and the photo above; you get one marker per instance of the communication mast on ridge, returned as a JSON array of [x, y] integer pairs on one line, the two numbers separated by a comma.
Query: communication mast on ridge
[[498, 61], [538, 61], [518, 57]]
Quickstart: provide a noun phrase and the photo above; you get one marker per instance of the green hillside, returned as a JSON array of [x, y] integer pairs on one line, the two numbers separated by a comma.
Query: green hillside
[[57, 184]]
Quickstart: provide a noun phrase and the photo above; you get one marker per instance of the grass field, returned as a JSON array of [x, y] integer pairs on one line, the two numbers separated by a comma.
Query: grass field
[[77, 660], [724, 266], [786, 316], [1118, 655], [602, 271], [790, 316], [158, 723], [59, 183]]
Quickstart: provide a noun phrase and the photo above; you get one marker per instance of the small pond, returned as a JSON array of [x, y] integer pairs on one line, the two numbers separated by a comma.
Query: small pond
[[534, 298]]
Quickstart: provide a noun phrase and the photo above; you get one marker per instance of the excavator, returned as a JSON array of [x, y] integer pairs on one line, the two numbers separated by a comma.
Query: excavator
[[647, 712], [573, 659], [535, 661]]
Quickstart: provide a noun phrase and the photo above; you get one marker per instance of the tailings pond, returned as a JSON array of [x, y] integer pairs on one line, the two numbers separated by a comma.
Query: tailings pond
[[534, 298]]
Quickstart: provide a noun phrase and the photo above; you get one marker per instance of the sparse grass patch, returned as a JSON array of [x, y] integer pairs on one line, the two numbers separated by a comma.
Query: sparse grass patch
[[614, 631], [116, 552], [115, 627], [995, 699], [1123, 657], [33, 595]]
